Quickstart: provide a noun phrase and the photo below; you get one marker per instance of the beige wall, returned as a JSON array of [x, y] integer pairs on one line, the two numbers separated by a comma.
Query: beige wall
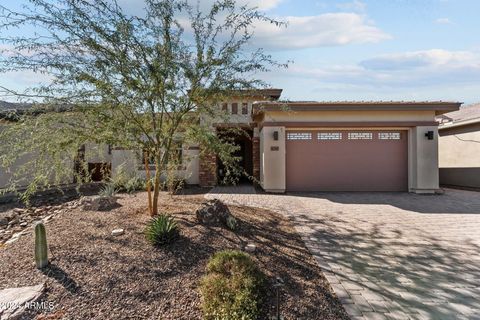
[[95, 153], [423, 153], [7, 174], [340, 116], [128, 162], [228, 117], [459, 147], [459, 153], [423, 166], [272, 163]]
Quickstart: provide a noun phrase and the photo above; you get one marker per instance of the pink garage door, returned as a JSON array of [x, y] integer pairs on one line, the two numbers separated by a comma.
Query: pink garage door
[[347, 160]]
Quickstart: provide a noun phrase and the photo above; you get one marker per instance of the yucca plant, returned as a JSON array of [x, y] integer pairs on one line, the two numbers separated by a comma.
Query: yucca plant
[[162, 230]]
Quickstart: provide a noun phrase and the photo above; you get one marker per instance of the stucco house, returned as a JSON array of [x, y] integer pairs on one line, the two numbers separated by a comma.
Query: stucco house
[[340, 146], [459, 147], [316, 146]]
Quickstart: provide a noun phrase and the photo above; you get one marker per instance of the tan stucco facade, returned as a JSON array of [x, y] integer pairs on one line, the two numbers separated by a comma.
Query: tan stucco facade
[[128, 162], [269, 121], [353, 116]]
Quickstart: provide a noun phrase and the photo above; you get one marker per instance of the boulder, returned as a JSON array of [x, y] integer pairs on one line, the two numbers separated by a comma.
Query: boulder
[[98, 203], [13, 301], [3, 221], [213, 212]]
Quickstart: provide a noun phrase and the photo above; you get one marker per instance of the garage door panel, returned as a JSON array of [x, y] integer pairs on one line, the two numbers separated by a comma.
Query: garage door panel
[[358, 161]]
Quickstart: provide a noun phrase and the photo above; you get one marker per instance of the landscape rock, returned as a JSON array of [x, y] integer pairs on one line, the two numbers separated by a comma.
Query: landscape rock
[[213, 212], [98, 203], [250, 247], [117, 232], [14, 300]]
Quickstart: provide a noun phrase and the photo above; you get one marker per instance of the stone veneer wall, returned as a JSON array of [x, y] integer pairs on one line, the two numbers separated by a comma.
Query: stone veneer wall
[[208, 169], [256, 157]]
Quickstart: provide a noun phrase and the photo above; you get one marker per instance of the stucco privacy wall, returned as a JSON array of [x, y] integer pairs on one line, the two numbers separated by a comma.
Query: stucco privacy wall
[[67, 176], [423, 153], [95, 153], [460, 147], [127, 162], [459, 155]]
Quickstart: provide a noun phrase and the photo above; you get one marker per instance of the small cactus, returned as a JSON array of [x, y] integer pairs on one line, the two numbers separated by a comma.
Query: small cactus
[[41, 250]]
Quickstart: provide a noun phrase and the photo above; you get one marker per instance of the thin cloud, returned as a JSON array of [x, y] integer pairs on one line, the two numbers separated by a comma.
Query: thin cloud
[[330, 29], [419, 59], [403, 71], [443, 21], [354, 6]]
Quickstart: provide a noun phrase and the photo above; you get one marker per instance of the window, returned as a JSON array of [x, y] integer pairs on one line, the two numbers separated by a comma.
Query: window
[[389, 135], [360, 136], [225, 106], [329, 136], [234, 108], [299, 136], [245, 108]]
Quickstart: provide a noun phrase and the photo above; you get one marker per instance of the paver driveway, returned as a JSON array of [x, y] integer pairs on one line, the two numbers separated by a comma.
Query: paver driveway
[[388, 255]]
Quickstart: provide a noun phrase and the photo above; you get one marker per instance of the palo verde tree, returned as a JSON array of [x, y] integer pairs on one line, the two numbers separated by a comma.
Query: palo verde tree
[[139, 82]]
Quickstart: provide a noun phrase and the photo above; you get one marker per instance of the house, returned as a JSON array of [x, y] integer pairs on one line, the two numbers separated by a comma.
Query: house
[[459, 147], [315, 146], [338, 146]]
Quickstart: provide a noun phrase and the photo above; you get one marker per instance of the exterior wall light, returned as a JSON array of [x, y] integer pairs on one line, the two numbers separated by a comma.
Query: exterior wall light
[[429, 135]]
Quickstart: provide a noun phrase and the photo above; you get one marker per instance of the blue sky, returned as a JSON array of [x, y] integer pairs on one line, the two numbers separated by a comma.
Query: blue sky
[[365, 49]]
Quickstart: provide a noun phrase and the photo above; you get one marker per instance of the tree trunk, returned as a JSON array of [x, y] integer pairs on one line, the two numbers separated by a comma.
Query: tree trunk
[[147, 171], [156, 186]]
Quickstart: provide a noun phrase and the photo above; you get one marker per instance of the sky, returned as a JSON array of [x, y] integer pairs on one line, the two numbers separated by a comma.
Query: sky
[[363, 49]]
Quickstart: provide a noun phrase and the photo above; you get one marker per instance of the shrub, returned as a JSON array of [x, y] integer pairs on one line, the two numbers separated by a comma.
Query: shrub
[[162, 230], [231, 222], [134, 184], [108, 190], [232, 287], [123, 181]]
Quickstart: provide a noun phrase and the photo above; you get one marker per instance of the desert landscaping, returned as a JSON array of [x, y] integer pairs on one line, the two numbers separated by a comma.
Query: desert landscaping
[[96, 274]]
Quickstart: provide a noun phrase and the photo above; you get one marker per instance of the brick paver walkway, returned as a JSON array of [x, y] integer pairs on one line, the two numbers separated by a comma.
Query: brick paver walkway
[[388, 255]]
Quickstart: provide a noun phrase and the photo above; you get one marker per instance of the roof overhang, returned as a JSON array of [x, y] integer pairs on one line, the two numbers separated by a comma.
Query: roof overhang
[[456, 124], [439, 107]]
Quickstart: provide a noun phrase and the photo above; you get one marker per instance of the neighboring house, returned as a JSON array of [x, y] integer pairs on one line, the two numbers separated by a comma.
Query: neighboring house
[[459, 147], [317, 146]]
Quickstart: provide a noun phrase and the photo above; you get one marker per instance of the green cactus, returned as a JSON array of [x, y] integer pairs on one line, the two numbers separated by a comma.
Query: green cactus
[[41, 250]]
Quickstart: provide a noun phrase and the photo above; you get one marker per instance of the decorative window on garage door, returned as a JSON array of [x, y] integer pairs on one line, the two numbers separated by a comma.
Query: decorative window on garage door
[[360, 136], [329, 136], [389, 135], [299, 136]]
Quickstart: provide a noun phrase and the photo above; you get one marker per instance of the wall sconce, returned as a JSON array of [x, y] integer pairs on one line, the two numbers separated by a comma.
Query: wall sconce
[[429, 135], [275, 135]]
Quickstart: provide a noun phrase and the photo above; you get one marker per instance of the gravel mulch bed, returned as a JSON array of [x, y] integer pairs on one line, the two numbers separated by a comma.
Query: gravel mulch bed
[[94, 275]]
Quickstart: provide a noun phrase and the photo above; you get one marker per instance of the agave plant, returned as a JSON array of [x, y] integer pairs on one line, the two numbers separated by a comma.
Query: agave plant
[[162, 230]]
